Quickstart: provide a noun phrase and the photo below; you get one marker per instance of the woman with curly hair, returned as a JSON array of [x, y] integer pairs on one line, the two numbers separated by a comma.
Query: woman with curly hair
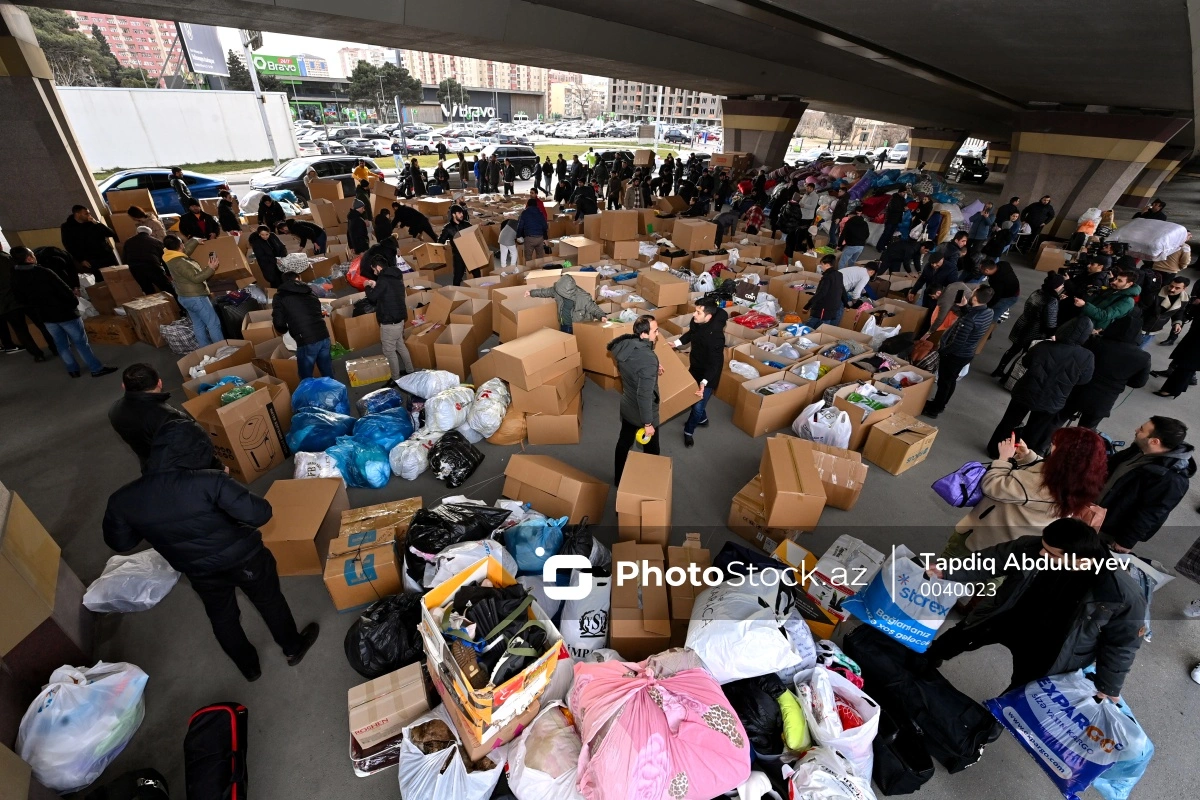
[[1023, 493]]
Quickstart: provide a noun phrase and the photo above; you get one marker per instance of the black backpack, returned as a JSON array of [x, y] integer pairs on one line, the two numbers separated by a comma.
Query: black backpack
[[214, 753]]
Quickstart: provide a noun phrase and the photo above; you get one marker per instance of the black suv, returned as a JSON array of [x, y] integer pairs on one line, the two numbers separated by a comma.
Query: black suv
[[290, 174], [964, 169], [523, 157], [676, 136]]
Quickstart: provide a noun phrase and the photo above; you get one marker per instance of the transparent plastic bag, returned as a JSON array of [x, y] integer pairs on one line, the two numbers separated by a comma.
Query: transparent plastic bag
[[325, 393], [363, 465], [131, 583], [543, 762], [378, 401], [80, 722], [454, 558], [315, 465]]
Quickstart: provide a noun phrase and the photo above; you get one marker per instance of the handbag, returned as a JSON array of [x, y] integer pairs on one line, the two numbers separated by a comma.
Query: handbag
[[963, 487]]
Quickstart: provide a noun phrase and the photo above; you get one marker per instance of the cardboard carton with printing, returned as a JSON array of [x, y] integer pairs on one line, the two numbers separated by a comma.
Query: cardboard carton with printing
[[683, 597], [372, 526], [793, 495], [247, 434], [644, 498], [367, 370], [640, 617], [554, 488], [363, 574], [306, 515], [899, 443], [380, 708], [477, 742]]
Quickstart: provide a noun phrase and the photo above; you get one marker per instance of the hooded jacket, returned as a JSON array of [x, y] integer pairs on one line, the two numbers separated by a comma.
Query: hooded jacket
[[356, 231], [137, 416], [189, 277], [297, 311], [388, 294], [964, 336], [267, 253], [790, 218], [450, 230], [200, 519], [707, 356], [88, 241], [1140, 500], [638, 366], [143, 252], [855, 231], [574, 304], [828, 299], [1004, 283], [1119, 362], [270, 215], [532, 222], [1110, 305], [227, 218], [1109, 621], [1054, 368], [43, 294]]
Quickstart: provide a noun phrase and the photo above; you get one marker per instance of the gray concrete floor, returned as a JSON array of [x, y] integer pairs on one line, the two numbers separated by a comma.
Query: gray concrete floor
[[61, 456]]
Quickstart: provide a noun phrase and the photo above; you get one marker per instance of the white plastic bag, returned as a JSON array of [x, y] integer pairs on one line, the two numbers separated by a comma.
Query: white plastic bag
[[743, 369], [315, 465], [828, 426], [1153, 238], [86, 309], [825, 774], [703, 283], [737, 636], [428, 382], [469, 433], [877, 332], [448, 409], [131, 583], [457, 557], [491, 404], [856, 743], [544, 760], [80, 722], [584, 624], [443, 775], [409, 459]]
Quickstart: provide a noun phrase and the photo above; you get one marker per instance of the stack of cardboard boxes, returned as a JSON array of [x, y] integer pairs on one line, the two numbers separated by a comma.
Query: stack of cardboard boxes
[[545, 376]]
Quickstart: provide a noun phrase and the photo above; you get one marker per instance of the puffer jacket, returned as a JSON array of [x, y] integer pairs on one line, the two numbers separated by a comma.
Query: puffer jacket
[[388, 294], [1055, 367], [1140, 501], [532, 222], [200, 519], [1119, 362], [1108, 626], [574, 304], [1110, 305], [1038, 320], [137, 416], [967, 332], [828, 298], [356, 231], [297, 311], [707, 356], [639, 379], [790, 218]]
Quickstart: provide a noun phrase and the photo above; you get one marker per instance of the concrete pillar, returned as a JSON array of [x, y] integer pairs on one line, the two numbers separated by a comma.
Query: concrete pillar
[[935, 147], [1158, 171], [999, 154], [1081, 160], [42, 170], [763, 128]]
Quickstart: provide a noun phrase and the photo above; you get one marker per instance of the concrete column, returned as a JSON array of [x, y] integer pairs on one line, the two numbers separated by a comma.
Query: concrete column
[[42, 170], [999, 154], [1081, 160], [1158, 171], [763, 128], [935, 147]]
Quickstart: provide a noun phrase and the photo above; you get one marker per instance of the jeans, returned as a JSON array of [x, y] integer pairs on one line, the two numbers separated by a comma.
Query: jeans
[[316, 353], [947, 380], [394, 349], [259, 581], [205, 324], [319, 243], [508, 253], [1147, 338], [566, 327], [66, 334], [699, 412], [850, 256], [1002, 305], [815, 322], [625, 441]]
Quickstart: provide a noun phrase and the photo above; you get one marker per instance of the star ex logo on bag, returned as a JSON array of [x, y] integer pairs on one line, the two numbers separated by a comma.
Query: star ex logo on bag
[[566, 563]]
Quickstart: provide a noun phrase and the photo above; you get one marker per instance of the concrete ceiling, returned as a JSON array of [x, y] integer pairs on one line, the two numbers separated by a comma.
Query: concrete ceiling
[[958, 64]]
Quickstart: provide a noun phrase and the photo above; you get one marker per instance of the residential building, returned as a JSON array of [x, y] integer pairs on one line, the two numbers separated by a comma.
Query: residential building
[[634, 100], [314, 66], [577, 99], [437, 67], [375, 56], [136, 42]]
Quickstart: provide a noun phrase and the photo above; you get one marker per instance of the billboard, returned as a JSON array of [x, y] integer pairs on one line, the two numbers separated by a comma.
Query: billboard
[[202, 49], [284, 66]]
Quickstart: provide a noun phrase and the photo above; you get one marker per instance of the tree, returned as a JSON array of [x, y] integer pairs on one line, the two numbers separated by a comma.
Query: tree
[[381, 86], [107, 67], [239, 76], [450, 92], [842, 125], [75, 58]]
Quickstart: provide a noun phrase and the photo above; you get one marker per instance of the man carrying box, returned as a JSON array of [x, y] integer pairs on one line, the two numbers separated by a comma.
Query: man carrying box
[[639, 368], [458, 222]]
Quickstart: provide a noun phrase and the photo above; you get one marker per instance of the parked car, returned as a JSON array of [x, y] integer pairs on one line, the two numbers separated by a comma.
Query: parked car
[[157, 181], [368, 147], [422, 143], [290, 174], [329, 147], [463, 144], [676, 136], [609, 157], [967, 169], [307, 147], [523, 157], [898, 154]]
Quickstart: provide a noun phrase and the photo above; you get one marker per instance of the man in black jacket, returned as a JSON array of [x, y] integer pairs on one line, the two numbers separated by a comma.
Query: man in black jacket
[[87, 242], [1145, 482], [388, 293], [416, 222], [458, 222], [1006, 287], [706, 335], [297, 311], [182, 190], [1153, 211], [1013, 206], [227, 216], [510, 177], [1038, 216], [306, 232], [828, 301], [893, 216], [142, 410], [143, 253], [639, 368], [195, 224], [957, 348], [205, 524], [584, 198], [853, 238], [356, 228]]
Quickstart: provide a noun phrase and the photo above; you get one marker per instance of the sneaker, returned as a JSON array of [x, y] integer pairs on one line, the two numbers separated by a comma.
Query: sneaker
[[688, 440], [1192, 610], [10, 350], [307, 637], [1196, 674], [703, 424], [104, 371]]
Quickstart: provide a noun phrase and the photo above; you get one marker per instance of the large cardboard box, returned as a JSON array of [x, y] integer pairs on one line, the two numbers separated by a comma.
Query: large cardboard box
[[530, 361], [579, 250], [101, 297], [244, 355], [233, 264], [555, 395], [522, 316], [671, 204], [793, 495], [476, 742], [899, 442], [683, 596], [662, 288], [248, 372], [916, 395], [1051, 256], [371, 526], [380, 708], [455, 349], [273, 358], [361, 575], [617, 226], [429, 256], [694, 234], [747, 518], [110, 330], [121, 284], [554, 488], [478, 314], [29, 563], [442, 302], [643, 158], [564, 428], [325, 189], [248, 434], [861, 419], [305, 519], [258, 328], [120, 201], [541, 278], [593, 339], [621, 251], [676, 386], [148, 313], [640, 617], [420, 341], [758, 414], [842, 474], [734, 160], [473, 248], [351, 332], [644, 499]]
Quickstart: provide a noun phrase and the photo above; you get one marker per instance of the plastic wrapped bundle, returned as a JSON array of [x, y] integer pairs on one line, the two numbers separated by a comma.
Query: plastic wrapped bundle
[[363, 465], [470, 434], [449, 408], [512, 429], [410, 458], [454, 459], [491, 404], [131, 583], [385, 429], [315, 465], [323, 393], [428, 382], [315, 430], [235, 394], [379, 400]]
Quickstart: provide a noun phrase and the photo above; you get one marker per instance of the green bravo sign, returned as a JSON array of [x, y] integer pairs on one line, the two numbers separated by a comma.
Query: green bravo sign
[[276, 65]]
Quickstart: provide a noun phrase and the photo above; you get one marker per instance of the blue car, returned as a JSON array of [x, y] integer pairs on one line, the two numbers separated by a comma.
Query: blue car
[[158, 181]]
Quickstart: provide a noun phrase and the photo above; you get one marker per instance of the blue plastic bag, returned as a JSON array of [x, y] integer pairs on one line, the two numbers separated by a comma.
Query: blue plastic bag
[[1118, 781], [534, 541], [903, 602], [228, 382], [379, 400], [315, 430], [363, 465], [323, 393], [385, 429]]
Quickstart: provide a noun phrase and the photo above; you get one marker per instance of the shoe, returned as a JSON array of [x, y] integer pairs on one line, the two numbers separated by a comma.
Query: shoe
[[997, 373], [10, 350], [1192, 610], [1164, 394], [929, 412], [253, 674], [1196, 674], [1159, 373], [703, 424], [689, 440], [74, 373], [307, 637], [1166, 342], [104, 371]]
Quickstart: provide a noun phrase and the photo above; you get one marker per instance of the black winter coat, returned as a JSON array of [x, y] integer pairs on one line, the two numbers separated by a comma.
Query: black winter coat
[[388, 295], [585, 201], [828, 299], [137, 416], [894, 214], [383, 226], [1038, 214], [297, 311], [43, 294], [415, 221], [143, 251], [963, 337], [855, 232], [227, 218], [1186, 354], [59, 262], [88, 241], [1004, 282], [356, 231], [377, 257], [1054, 368], [305, 231], [1140, 501], [1117, 365], [267, 253], [707, 357], [200, 519], [270, 215], [449, 231], [199, 227]]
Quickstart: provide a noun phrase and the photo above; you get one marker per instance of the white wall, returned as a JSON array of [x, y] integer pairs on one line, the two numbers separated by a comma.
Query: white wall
[[121, 128]]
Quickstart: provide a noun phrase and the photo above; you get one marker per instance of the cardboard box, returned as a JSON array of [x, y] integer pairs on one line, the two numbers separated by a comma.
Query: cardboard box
[[621, 251], [121, 284], [793, 495], [842, 474], [579, 250], [371, 526], [861, 420], [120, 201], [244, 355], [523, 316], [555, 395], [233, 266], [110, 330], [758, 414], [258, 328], [148, 313], [475, 745], [29, 568], [554, 488], [747, 518], [248, 372], [101, 297], [643, 158], [694, 234], [847, 557], [306, 517], [676, 387], [644, 499], [671, 204], [565, 428], [441, 303], [662, 288], [606, 382], [617, 226], [368, 370], [683, 596], [455, 349], [351, 332], [325, 189], [478, 314], [916, 395], [899, 442], [541, 278], [420, 340], [473, 248], [273, 358], [640, 617], [248, 434], [736, 161], [593, 339], [363, 575], [530, 361], [426, 256], [502, 293], [380, 708], [1051, 256], [908, 316]]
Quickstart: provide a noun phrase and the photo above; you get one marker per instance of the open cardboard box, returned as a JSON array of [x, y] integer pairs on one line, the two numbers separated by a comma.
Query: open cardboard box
[[842, 474], [455, 349], [862, 419], [554, 488], [257, 327], [793, 495], [233, 265], [351, 332], [640, 617], [244, 354], [683, 596], [564, 428], [306, 516], [759, 414], [644, 499], [555, 395], [522, 316], [899, 443], [273, 358], [248, 435], [530, 361]]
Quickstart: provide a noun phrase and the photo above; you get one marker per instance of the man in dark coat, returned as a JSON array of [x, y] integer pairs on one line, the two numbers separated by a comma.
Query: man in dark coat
[[584, 199], [268, 249], [416, 222], [143, 253], [226, 216], [1185, 361], [458, 222], [956, 348], [383, 223], [1153, 211], [1145, 482], [1119, 363], [388, 292], [892, 217], [205, 524], [142, 410], [639, 368], [495, 173], [195, 224], [306, 232], [87, 242], [706, 335], [356, 228], [1038, 216], [297, 311], [560, 168], [828, 300]]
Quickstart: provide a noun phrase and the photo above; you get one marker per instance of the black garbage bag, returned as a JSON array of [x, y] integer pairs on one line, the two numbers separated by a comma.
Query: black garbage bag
[[385, 637], [231, 314], [431, 532], [363, 307], [453, 459], [754, 701], [579, 541]]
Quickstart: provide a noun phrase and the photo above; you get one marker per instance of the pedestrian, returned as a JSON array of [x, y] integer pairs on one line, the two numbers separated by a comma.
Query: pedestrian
[[533, 195], [1191, 312], [1178, 259], [614, 190], [856, 280], [458, 222], [828, 300], [356, 228], [639, 369], [1070, 611], [880, 158], [790, 222], [853, 238], [362, 193], [633, 194], [389, 294], [532, 230], [1153, 211], [227, 215], [196, 224], [151, 221], [1038, 215], [417, 179], [726, 223], [574, 304], [1013, 206], [510, 177], [954, 250], [206, 525], [464, 170], [495, 173], [306, 232], [1119, 363], [560, 167], [191, 287], [893, 215], [839, 200], [546, 172], [600, 176], [1185, 361], [441, 179], [51, 302], [268, 249], [1145, 482], [1169, 304], [396, 150], [1112, 303], [144, 255], [14, 315], [934, 279], [508, 245], [1038, 320], [441, 150], [982, 222], [562, 193], [477, 166], [575, 169], [138, 414], [383, 223], [706, 336], [1006, 286], [182, 190], [297, 311], [591, 158], [956, 348], [88, 242], [1053, 368], [584, 199], [418, 224]]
